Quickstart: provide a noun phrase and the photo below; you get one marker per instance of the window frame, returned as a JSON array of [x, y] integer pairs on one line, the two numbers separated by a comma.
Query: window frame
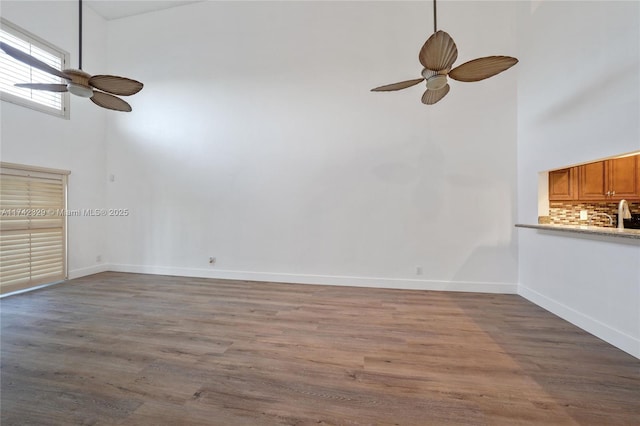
[[33, 39]]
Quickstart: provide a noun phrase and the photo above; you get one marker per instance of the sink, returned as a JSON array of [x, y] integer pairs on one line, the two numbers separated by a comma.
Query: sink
[[633, 223]]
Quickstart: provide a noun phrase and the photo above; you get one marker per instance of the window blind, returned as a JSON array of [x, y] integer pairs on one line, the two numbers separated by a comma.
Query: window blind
[[13, 71], [32, 226]]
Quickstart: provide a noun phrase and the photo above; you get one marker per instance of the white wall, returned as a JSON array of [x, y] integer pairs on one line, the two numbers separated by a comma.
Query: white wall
[[34, 138], [256, 140], [268, 152], [578, 100]]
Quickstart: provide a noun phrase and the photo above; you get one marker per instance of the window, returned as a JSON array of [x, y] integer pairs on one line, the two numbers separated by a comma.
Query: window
[[33, 226], [13, 71]]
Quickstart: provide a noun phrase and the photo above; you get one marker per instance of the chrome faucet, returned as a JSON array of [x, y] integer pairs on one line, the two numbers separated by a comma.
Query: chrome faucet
[[623, 213], [601, 214]]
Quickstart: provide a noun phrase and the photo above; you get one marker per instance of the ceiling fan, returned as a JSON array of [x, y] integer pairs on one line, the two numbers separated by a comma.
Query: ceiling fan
[[437, 56], [79, 82]]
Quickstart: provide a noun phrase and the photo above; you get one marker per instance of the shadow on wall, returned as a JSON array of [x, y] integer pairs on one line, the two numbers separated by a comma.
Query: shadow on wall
[[421, 169], [493, 259], [495, 266], [602, 85]]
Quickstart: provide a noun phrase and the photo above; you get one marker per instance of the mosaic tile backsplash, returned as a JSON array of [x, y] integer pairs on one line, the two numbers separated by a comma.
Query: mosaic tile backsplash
[[568, 213]]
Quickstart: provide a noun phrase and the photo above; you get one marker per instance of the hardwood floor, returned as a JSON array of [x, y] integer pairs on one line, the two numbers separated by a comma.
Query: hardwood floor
[[133, 349]]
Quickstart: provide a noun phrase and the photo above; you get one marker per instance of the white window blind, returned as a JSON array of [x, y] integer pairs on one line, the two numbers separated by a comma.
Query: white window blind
[[33, 227], [13, 71]]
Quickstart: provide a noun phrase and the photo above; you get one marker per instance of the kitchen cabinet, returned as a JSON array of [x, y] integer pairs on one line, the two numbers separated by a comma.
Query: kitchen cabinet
[[624, 178], [610, 180], [592, 181], [563, 184]]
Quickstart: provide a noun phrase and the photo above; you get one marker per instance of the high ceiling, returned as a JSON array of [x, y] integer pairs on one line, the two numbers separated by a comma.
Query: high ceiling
[[116, 9]]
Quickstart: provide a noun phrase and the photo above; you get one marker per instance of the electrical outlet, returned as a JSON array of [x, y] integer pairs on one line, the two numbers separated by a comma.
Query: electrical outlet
[[584, 214], [212, 260], [99, 258], [418, 270]]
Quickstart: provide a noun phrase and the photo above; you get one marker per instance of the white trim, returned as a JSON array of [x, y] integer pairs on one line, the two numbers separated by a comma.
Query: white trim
[[338, 280], [26, 290], [591, 325], [90, 270], [24, 170]]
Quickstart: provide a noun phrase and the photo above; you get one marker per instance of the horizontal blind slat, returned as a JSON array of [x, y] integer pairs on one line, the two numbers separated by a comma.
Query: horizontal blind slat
[[13, 71], [32, 230]]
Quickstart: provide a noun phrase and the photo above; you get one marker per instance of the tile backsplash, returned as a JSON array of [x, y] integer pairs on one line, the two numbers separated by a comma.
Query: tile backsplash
[[568, 213]]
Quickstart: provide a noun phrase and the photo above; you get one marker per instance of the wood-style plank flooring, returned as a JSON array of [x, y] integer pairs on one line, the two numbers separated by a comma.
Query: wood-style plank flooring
[[129, 349]]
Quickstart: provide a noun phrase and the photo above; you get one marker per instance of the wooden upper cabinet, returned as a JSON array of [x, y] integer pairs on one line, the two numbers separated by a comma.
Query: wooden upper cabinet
[[610, 180], [563, 184], [592, 181], [624, 178]]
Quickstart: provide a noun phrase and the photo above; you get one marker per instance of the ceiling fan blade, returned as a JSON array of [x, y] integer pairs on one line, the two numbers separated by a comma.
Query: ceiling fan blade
[[121, 86], [31, 61], [398, 86], [110, 102], [430, 97], [439, 52], [481, 68], [44, 86]]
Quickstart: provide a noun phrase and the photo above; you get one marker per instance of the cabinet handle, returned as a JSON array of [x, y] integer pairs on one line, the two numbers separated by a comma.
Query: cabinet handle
[[608, 193], [613, 193]]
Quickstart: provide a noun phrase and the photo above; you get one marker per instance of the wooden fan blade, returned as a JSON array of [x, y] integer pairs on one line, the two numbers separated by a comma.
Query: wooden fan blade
[[439, 52], [398, 86], [110, 102], [44, 86], [31, 61], [121, 86], [430, 97], [482, 68]]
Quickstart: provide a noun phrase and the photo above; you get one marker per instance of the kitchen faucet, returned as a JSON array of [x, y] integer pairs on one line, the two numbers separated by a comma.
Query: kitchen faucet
[[602, 214], [623, 213]]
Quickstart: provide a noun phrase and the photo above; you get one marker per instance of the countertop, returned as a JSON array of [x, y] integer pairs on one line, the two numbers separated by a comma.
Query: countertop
[[582, 229]]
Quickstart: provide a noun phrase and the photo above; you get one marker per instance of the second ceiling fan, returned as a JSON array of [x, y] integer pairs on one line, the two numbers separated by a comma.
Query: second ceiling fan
[[99, 88], [437, 56]]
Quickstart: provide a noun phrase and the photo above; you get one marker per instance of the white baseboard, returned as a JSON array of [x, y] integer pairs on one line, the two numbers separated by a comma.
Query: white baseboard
[[398, 283], [27, 290], [83, 272], [615, 337]]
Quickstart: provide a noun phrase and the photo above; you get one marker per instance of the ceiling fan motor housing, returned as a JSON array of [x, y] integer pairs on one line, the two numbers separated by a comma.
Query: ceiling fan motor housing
[[436, 82], [79, 84]]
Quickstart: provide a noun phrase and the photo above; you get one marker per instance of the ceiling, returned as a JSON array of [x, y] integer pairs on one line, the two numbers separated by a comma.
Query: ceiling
[[116, 9]]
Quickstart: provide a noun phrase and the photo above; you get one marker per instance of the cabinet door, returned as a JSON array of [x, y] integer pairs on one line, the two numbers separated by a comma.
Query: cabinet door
[[592, 181], [563, 184], [623, 178]]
